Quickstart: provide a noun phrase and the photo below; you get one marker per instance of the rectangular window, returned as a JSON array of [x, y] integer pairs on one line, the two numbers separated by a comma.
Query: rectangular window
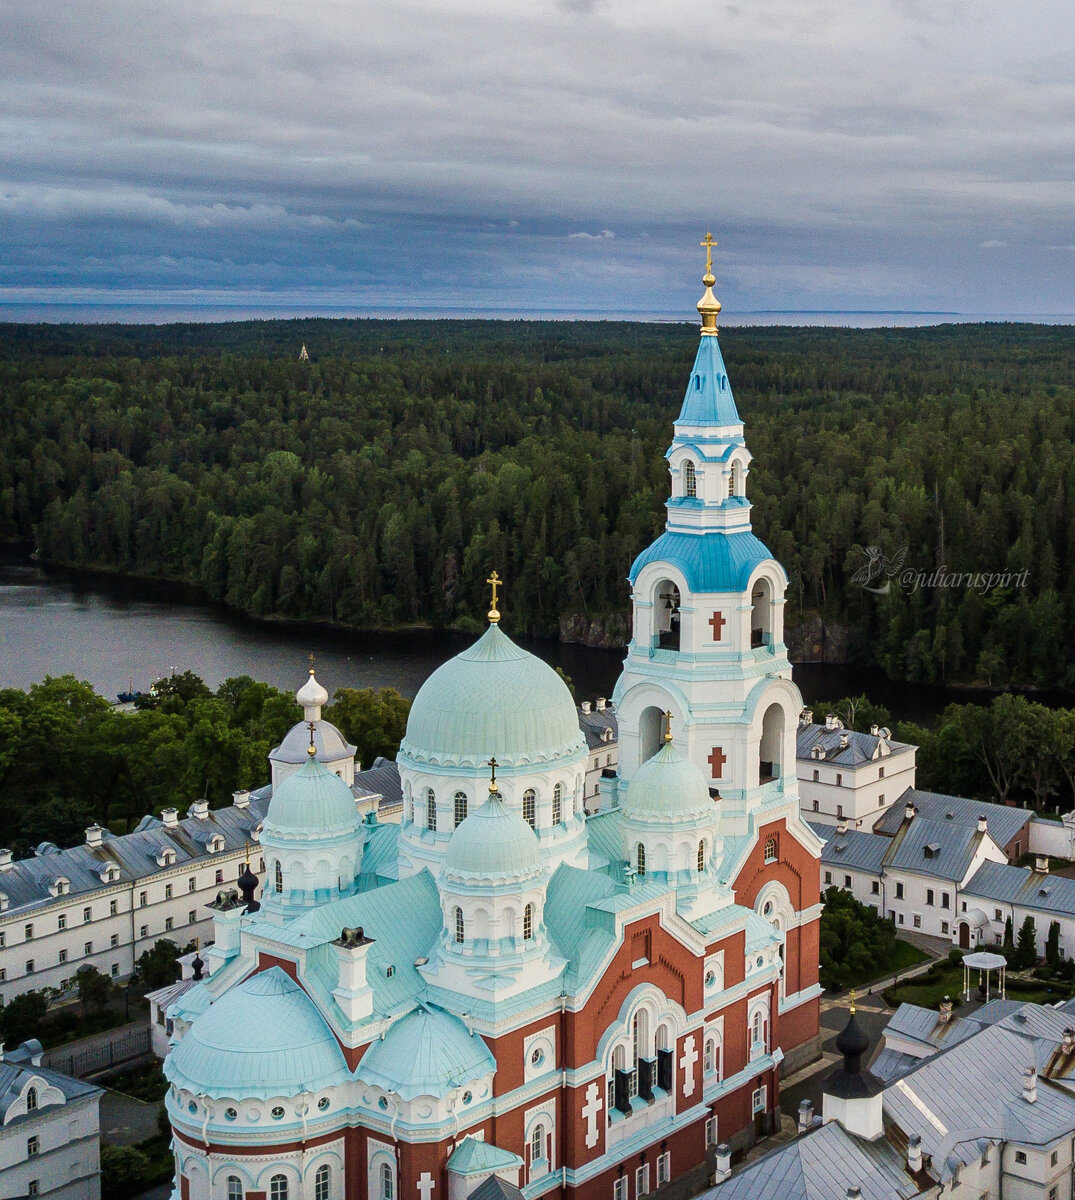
[[143, 931], [1054, 1158], [929, 896], [63, 956], [28, 930], [33, 1188], [167, 891], [917, 921], [817, 776], [113, 941], [839, 781], [61, 921], [619, 1189], [1020, 1157], [964, 907], [29, 966], [142, 900], [642, 1180], [881, 798], [113, 907], [997, 915], [899, 891], [839, 812], [880, 772], [997, 940], [168, 923], [828, 877], [875, 887], [3, 938], [757, 1100], [817, 806], [33, 1146], [847, 881], [711, 1131], [87, 948], [899, 919], [115, 970], [946, 900], [192, 884], [192, 916], [3, 974], [1054, 1191], [944, 927], [664, 1168]]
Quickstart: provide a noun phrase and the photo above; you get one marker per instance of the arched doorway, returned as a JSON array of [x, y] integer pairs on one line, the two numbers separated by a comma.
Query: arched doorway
[[761, 613], [650, 732], [771, 750], [964, 935], [666, 615]]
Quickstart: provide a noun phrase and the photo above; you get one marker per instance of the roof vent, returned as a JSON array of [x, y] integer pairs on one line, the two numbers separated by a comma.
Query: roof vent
[[914, 1153], [199, 809], [908, 811], [585, 708], [840, 847], [875, 730], [806, 1115], [831, 722], [932, 850], [241, 799], [845, 740], [169, 817]]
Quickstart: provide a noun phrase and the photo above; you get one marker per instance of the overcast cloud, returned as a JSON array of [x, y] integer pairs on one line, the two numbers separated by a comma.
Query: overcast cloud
[[894, 154]]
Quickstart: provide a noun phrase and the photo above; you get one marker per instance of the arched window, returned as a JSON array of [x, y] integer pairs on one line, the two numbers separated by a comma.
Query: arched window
[[557, 804], [690, 481], [640, 859], [323, 1182], [31, 1099], [770, 849], [528, 922], [733, 480], [711, 1057], [757, 1031], [278, 877], [460, 930], [537, 1144], [235, 1188], [701, 857], [278, 1187], [388, 1181], [459, 802], [530, 807], [431, 809]]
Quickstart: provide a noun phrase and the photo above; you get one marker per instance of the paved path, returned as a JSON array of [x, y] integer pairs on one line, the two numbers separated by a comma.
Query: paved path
[[126, 1121]]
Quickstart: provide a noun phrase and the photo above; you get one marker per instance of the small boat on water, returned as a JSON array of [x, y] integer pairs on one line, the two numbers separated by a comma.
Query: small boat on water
[[129, 696]]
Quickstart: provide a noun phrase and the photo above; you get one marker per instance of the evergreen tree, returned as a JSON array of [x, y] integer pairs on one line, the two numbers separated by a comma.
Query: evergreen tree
[[1009, 943], [1052, 945], [1026, 953]]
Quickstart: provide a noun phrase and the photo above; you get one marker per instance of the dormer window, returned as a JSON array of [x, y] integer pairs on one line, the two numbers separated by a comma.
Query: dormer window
[[690, 480], [215, 843]]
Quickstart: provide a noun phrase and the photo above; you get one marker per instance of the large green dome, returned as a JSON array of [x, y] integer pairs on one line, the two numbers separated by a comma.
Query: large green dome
[[493, 842], [493, 699], [312, 800], [667, 787]]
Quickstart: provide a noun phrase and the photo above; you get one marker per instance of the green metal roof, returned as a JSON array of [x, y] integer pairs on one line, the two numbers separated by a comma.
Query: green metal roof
[[427, 1053], [493, 842], [493, 699], [472, 1157], [666, 788], [312, 800]]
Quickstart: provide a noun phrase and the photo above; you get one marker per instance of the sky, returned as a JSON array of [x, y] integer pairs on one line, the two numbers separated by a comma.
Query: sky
[[910, 155]]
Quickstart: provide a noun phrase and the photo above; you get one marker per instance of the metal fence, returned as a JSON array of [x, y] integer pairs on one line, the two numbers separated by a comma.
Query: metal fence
[[100, 1052]]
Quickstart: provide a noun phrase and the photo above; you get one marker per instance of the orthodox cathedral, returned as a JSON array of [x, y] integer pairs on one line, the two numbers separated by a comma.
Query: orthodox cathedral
[[504, 994]]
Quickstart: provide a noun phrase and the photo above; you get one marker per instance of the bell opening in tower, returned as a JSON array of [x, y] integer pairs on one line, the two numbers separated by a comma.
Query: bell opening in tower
[[650, 732], [761, 614], [667, 615], [771, 750]]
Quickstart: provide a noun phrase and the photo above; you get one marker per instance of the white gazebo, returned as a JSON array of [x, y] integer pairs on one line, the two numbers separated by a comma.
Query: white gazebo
[[983, 962]]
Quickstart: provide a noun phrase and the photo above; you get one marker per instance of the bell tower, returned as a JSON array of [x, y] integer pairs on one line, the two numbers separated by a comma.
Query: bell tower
[[708, 608]]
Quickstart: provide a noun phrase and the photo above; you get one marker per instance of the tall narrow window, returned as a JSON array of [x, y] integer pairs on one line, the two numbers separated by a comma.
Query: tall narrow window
[[528, 922], [459, 802], [770, 849], [460, 930], [690, 481], [537, 1144], [431, 809], [388, 1182], [701, 857], [323, 1182], [640, 859], [557, 804], [31, 1099], [278, 876], [530, 807], [235, 1188], [408, 802], [278, 1187]]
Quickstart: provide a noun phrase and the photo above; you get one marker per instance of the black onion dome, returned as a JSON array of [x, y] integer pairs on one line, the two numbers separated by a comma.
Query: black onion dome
[[852, 1040], [850, 1080]]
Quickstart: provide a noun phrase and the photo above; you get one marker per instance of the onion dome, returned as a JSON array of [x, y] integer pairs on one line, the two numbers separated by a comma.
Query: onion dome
[[427, 1053], [493, 843], [312, 800], [197, 966], [262, 1038], [248, 885], [311, 697], [851, 1080], [330, 744], [494, 697], [667, 787]]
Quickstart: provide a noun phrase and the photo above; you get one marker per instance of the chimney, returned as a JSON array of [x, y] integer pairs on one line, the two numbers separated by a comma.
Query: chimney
[[841, 827], [1030, 1085], [585, 707], [169, 817], [5, 860], [94, 835], [806, 1115], [1069, 1040], [844, 740], [199, 809], [854, 1192], [830, 720], [808, 716], [240, 799], [983, 823], [724, 1163], [914, 1153], [1041, 865], [946, 1010], [600, 704], [909, 811], [875, 730], [353, 994]]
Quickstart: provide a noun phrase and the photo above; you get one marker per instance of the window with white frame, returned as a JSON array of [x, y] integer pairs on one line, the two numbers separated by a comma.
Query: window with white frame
[[711, 1055], [460, 927], [619, 1189], [530, 807], [431, 809], [528, 923], [770, 849], [387, 1181], [757, 1100], [278, 1187], [642, 1180], [711, 1131], [690, 479], [640, 859], [557, 804], [459, 808], [235, 1188], [664, 1168], [323, 1182]]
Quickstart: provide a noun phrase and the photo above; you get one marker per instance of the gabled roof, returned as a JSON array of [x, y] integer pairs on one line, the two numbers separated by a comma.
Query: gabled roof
[[16, 1072], [856, 850], [495, 1188], [1020, 885], [924, 1026], [596, 723], [861, 747], [1005, 822], [943, 849]]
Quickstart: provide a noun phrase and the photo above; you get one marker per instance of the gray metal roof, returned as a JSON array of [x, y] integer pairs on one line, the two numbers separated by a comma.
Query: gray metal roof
[[26, 882], [15, 1073], [856, 850], [1005, 822], [889, 1065], [382, 779], [594, 726], [943, 849], [923, 1025], [1005, 884], [861, 747], [821, 1165]]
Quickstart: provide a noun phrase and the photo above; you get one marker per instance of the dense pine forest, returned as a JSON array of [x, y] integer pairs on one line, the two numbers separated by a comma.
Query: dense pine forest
[[377, 484]]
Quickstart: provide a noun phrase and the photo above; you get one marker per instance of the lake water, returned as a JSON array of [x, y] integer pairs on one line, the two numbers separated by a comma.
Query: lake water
[[118, 633]]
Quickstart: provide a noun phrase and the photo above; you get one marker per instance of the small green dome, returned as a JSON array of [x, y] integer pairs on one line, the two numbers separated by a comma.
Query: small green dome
[[493, 699], [667, 787], [427, 1053], [264, 1037], [312, 800], [492, 843]]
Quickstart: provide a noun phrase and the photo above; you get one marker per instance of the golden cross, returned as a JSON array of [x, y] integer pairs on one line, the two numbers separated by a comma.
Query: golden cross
[[852, 1001], [495, 581], [311, 664], [668, 725], [492, 764], [708, 242]]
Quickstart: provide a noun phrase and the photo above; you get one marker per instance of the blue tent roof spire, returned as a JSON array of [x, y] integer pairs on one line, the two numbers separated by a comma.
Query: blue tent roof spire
[[709, 399]]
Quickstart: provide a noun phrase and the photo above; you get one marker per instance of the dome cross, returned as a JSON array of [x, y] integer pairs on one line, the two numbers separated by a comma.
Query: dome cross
[[495, 582], [492, 764]]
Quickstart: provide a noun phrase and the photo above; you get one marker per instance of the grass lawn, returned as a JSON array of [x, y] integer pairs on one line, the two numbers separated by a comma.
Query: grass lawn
[[947, 980]]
